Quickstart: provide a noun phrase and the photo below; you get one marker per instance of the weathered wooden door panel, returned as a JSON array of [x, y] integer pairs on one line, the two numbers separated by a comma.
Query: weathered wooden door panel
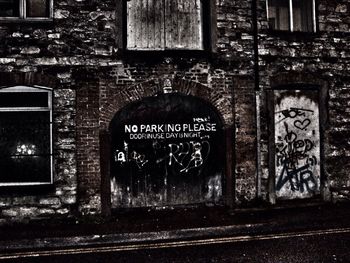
[[145, 25], [164, 24], [297, 143], [166, 150], [183, 24]]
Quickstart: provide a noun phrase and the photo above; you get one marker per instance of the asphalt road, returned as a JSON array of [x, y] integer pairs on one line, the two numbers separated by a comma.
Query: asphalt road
[[307, 246]]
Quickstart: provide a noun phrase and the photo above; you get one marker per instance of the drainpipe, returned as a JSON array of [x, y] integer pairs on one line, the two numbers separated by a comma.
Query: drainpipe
[[257, 97]]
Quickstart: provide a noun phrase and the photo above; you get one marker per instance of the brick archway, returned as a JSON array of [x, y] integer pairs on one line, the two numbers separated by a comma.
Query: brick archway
[[113, 100], [116, 100]]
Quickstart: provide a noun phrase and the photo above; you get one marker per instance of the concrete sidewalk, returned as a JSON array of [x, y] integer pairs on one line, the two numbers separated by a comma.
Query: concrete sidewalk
[[247, 223]]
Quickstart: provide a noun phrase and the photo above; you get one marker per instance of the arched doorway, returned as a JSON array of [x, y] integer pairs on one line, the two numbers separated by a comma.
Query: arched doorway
[[166, 150]]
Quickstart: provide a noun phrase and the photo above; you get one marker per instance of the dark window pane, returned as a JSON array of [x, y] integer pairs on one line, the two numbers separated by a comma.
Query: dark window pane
[[24, 146], [24, 130], [37, 8], [23, 99], [302, 15], [30, 169], [9, 8], [279, 14]]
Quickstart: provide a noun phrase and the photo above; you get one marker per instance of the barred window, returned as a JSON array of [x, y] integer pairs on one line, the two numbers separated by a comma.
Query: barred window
[[25, 136], [25, 9], [292, 15]]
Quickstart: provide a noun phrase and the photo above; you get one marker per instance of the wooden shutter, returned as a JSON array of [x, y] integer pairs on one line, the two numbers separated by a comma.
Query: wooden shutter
[[183, 24], [145, 24], [164, 24], [159, 40]]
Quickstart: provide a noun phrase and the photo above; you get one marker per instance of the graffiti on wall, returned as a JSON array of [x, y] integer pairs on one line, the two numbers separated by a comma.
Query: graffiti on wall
[[166, 154], [297, 141]]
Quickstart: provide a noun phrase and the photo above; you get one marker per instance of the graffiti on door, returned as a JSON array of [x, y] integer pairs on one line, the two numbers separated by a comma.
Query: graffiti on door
[[297, 142], [166, 150]]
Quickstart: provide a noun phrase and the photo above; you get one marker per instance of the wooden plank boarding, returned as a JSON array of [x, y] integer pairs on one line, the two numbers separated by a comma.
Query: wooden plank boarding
[[195, 39], [136, 18], [151, 24], [159, 37], [168, 31], [131, 25], [199, 11], [182, 25], [164, 24], [189, 25], [144, 25]]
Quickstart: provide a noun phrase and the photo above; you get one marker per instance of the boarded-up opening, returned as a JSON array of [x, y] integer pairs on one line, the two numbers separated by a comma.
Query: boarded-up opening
[[164, 24], [166, 150], [297, 143]]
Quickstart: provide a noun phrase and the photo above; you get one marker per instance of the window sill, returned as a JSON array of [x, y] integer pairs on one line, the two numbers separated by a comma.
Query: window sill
[[15, 20], [26, 190], [296, 35], [156, 56]]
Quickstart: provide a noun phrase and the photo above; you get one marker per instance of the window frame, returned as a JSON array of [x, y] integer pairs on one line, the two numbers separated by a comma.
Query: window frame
[[290, 18], [23, 14], [208, 31], [49, 108]]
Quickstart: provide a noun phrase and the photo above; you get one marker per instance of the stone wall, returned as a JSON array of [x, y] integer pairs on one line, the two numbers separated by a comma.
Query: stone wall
[[313, 58], [134, 75], [81, 50]]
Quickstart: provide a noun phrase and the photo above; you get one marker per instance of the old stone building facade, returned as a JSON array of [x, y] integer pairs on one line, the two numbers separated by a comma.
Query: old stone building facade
[[146, 107]]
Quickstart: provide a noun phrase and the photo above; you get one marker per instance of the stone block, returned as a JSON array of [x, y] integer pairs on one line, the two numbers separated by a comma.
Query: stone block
[[30, 50], [50, 201]]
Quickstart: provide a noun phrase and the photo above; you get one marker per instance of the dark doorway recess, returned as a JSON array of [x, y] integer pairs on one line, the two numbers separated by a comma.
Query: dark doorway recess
[[167, 150]]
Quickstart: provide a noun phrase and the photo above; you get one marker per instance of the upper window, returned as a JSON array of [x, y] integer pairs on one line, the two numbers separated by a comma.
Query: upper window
[[292, 15], [165, 24], [25, 136], [25, 9]]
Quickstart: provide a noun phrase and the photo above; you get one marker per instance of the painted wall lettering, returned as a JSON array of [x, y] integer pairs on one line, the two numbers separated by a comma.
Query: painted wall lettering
[[166, 150], [297, 142]]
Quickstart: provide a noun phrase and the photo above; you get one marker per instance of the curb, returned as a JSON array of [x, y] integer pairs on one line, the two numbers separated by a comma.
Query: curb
[[123, 238], [166, 244]]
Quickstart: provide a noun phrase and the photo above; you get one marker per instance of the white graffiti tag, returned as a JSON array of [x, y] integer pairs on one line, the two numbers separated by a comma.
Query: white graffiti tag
[[186, 156]]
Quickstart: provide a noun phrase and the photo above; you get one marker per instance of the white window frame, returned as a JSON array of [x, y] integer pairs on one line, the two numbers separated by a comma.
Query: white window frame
[[20, 89], [23, 13], [291, 22]]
